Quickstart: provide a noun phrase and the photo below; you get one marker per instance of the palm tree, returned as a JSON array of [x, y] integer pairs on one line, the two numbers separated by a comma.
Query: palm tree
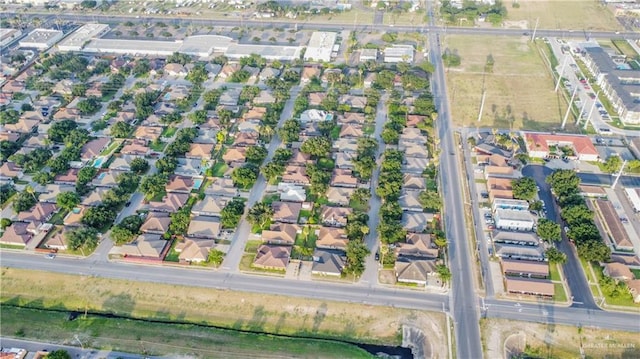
[[443, 273], [31, 191], [266, 131]]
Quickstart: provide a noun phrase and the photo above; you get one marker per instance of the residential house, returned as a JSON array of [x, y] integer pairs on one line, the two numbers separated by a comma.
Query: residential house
[[314, 115], [327, 262], [254, 72], [343, 178], [618, 271], [410, 201], [175, 70], [351, 131], [513, 204], [94, 198], [291, 192], [210, 206], [16, 234], [499, 188], [204, 227], [146, 245], [38, 214], [212, 69], [539, 145], [316, 98], [272, 257], [308, 73], [516, 238], [351, 118], [169, 204], [106, 179], [222, 187], [13, 86], [228, 70], [39, 141], [359, 102], [92, 149], [524, 268], [10, 170], [22, 126], [149, 133], [67, 114], [296, 175], [541, 288], [281, 233], [235, 155], [634, 289], [418, 245], [12, 136], [264, 97], [299, 158], [194, 251], [331, 238], [199, 150], [135, 148], [414, 165], [416, 222], [57, 241], [501, 172], [418, 271], [269, 72], [191, 167], [415, 120], [123, 116], [514, 220], [52, 190], [156, 222], [121, 163], [162, 108], [412, 135], [309, 129], [249, 126], [179, 184], [512, 251], [417, 151], [286, 212], [255, 113], [230, 97], [369, 79], [344, 160], [334, 216], [412, 182], [246, 139], [339, 195]]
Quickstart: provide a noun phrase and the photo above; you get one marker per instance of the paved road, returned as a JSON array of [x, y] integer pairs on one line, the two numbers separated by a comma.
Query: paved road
[[232, 281], [234, 255], [333, 25], [607, 180], [463, 292], [75, 352], [370, 274], [576, 279]]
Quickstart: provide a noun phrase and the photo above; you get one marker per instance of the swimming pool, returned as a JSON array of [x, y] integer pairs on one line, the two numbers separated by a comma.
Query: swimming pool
[[76, 210], [98, 162], [101, 176], [197, 183]]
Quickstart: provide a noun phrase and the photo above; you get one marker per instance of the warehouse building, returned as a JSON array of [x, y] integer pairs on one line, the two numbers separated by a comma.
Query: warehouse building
[[269, 52], [77, 40], [320, 46], [41, 39], [399, 53], [8, 35]]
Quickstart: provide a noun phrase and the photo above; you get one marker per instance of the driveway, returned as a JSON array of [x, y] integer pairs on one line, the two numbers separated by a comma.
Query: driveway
[[576, 279]]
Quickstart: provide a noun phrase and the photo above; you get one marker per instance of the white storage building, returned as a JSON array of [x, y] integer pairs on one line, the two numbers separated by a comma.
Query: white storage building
[[399, 53], [320, 46], [78, 38], [41, 38]]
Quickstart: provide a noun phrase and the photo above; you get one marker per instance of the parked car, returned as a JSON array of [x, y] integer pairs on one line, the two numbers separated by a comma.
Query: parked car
[[50, 256]]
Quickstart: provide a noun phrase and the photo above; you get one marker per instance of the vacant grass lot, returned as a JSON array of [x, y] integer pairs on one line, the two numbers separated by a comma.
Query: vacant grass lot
[[162, 339], [519, 89], [228, 309], [564, 14], [556, 341]]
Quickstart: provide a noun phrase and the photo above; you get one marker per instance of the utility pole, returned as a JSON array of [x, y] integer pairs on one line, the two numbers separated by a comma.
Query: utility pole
[[484, 93], [581, 112], [566, 115], [533, 36], [591, 111], [615, 182], [564, 64]]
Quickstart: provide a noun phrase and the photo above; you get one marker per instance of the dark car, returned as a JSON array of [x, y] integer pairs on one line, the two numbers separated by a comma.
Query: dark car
[[127, 204], [377, 256]]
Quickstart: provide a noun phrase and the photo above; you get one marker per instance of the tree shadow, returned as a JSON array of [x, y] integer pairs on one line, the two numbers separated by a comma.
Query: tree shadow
[[349, 329], [122, 303], [321, 313], [280, 323], [258, 320]]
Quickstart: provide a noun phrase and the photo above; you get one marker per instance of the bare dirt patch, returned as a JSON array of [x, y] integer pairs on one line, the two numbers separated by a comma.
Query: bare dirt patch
[[555, 341], [564, 14]]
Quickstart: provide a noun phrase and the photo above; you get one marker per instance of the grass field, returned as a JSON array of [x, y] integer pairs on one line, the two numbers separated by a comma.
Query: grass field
[[556, 341], [223, 308], [519, 89], [564, 14], [161, 339]]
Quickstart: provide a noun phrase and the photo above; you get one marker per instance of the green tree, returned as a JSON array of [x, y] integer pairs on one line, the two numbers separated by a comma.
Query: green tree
[[67, 200], [549, 230], [282, 155], [86, 174], [42, 178], [61, 354], [575, 215], [153, 184], [215, 257], [139, 165], [198, 117], [361, 195], [612, 164], [99, 217], [180, 221], [563, 182], [121, 130], [260, 214], [89, 106], [290, 130], [8, 148], [594, 251], [128, 182], [555, 256], [60, 129], [121, 235], [316, 146], [231, 213], [245, 176], [9, 116], [131, 223], [256, 154], [166, 165], [79, 90], [197, 75], [24, 201], [142, 67], [444, 273], [430, 200], [272, 170], [524, 188], [82, 238], [248, 93], [4, 223], [357, 252]]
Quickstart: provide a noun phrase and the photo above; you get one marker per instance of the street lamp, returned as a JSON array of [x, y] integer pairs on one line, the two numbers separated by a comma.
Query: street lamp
[[78, 339]]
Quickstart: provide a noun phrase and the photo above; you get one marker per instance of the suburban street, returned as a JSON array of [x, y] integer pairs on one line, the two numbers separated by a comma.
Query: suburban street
[[234, 255], [463, 295], [370, 274]]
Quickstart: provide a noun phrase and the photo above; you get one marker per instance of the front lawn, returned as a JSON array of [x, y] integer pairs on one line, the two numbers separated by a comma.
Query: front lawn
[[112, 147], [157, 146], [554, 272], [168, 132], [358, 206], [335, 132], [326, 163], [58, 218], [219, 169], [559, 294], [173, 256]]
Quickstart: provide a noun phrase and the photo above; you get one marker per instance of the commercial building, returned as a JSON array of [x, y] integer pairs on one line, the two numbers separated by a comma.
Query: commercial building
[[41, 39], [80, 37], [514, 220], [514, 204], [619, 83], [399, 53], [633, 195], [133, 47], [320, 46], [8, 35], [269, 52], [368, 55], [539, 145]]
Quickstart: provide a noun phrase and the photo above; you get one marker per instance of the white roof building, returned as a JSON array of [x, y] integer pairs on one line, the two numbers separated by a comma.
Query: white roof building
[[368, 54], [78, 38], [399, 53], [633, 195], [269, 52], [320, 46], [514, 220], [133, 47], [41, 38], [8, 35]]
